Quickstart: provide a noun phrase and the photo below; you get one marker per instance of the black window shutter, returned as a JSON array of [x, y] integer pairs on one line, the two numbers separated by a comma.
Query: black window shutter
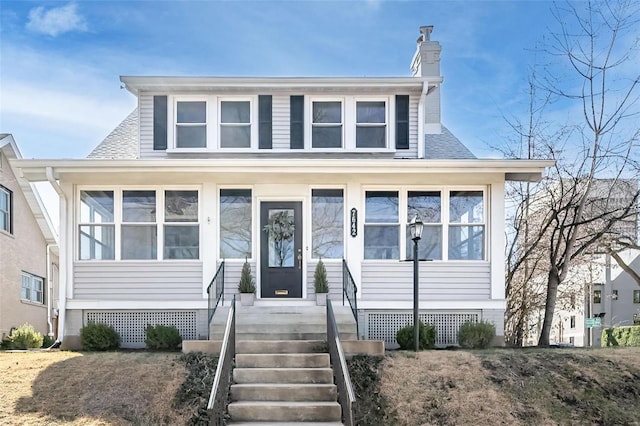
[[159, 122], [265, 122], [402, 121], [297, 122]]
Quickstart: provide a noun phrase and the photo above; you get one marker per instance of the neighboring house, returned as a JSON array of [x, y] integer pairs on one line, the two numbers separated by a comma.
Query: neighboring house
[[28, 251], [192, 177]]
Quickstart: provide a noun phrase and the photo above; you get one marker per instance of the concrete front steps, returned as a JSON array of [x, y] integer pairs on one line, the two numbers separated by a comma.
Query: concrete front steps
[[302, 322], [283, 382]]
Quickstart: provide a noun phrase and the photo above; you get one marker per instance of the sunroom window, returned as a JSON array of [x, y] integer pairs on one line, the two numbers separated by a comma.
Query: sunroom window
[[427, 205], [371, 124], [327, 230], [466, 225], [326, 124], [381, 228], [191, 124], [181, 229], [139, 230], [235, 124], [97, 225], [235, 223]]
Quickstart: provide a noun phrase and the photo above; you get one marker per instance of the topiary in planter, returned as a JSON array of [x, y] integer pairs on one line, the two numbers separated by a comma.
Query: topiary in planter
[[320, 278], [427, 336], [99, 337], [476, 335], [26, 337], [246, 284]]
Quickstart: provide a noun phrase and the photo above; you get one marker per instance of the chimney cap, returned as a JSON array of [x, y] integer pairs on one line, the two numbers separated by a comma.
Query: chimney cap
[[425, 33]]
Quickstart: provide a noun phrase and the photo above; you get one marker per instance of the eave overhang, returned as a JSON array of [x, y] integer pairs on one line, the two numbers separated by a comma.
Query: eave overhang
[[136, 84], [520, 170]]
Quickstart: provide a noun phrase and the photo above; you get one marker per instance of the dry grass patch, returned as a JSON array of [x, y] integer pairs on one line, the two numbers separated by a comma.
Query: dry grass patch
[[442, 387], [114, 388]]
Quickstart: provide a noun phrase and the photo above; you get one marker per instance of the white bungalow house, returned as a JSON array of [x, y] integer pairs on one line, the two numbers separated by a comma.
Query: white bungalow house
[[192, 177]]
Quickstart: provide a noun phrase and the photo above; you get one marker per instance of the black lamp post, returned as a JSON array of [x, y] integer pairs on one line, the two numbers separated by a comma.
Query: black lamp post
[[415, 230]]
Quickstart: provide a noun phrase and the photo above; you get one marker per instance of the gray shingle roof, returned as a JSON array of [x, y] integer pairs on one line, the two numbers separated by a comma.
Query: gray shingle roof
[[445, 146], [122, 142]]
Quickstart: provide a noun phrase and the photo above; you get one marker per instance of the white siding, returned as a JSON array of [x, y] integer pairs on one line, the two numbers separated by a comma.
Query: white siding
[[232, 272], [334, 276], [281, 122], [138, 280], [146, 127], [438, 281]]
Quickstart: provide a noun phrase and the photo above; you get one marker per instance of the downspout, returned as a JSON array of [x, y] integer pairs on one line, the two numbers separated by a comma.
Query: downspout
[[62, 282], [49, 323], [421, 118]]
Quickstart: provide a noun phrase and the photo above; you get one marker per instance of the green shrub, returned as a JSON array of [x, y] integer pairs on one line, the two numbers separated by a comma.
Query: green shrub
[[246, 285], [47, 341], [621, 336], [99, 337], [427, 336], [320, 278], [6, 343], [26, 337], [162, 337], [476, 335]]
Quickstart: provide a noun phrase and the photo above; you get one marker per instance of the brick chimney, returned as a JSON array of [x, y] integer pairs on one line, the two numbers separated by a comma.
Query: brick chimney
[[426, 63]]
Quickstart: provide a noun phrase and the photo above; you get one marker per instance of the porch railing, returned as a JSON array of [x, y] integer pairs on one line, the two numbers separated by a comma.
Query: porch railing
[[217, 405], [214, 299], [349, 291], [346, 395]]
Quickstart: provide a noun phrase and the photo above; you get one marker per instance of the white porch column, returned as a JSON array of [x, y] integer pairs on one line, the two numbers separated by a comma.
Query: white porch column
[[497, 240], [353, 246]]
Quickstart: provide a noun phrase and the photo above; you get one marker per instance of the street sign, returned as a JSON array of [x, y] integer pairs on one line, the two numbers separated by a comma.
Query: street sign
[[593, 322]]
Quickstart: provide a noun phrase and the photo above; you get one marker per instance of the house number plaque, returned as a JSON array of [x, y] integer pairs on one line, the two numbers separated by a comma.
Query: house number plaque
[[354, 222]]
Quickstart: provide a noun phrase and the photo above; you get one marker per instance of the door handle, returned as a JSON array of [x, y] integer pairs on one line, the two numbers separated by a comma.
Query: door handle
[[299, 258]]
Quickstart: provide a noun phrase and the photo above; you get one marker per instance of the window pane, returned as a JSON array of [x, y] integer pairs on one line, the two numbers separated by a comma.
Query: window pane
[[4, 221], [381, 242], [181, 206], [425, 204], [326, 137], [235, 223], [370, 112], [466, 242], [25, 292], [181, 242], [235, 136], [371, 137], [327, 227], [138, 206], [97, 242], [466, 207], [192, 112], [327, 112], [4, 210], [381, 207], [636, 296], [139, 242], [96, 206], [191, 136], [235, 112], [4, 200], [429, 246]]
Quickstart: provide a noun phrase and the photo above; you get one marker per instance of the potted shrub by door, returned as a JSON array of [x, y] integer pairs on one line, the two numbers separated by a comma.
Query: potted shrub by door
[[246, 287], [321, 284]]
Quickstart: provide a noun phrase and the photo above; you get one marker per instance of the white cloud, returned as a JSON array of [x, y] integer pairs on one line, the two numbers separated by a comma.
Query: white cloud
[[56, 21]]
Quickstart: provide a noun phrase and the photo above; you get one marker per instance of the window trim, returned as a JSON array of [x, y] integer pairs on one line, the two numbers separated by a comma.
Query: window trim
[[213, 122], [32, 279], [118, 222], [9, 212], [445, 190]]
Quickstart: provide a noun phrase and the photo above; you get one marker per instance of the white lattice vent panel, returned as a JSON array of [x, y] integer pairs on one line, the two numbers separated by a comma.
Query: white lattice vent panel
[[131, 325], [384, 326]]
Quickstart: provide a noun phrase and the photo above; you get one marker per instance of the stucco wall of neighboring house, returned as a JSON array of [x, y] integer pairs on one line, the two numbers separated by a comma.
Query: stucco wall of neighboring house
[[23, 250]]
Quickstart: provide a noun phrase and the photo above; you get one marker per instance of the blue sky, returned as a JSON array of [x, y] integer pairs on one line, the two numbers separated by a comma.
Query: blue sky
[[60, 61]]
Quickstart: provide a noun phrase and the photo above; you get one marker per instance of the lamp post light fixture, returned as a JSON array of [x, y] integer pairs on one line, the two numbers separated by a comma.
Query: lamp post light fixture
[[415, 230]]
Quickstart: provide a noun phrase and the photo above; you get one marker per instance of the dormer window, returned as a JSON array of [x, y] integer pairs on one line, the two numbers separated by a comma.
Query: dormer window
[[235, 124], [371, 124], [326, 125], [191, 124]]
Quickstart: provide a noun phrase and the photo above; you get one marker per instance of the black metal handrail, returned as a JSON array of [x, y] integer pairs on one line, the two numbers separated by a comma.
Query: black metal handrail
[[218, 279], [346, 395], [217, 405], [349, 291]]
